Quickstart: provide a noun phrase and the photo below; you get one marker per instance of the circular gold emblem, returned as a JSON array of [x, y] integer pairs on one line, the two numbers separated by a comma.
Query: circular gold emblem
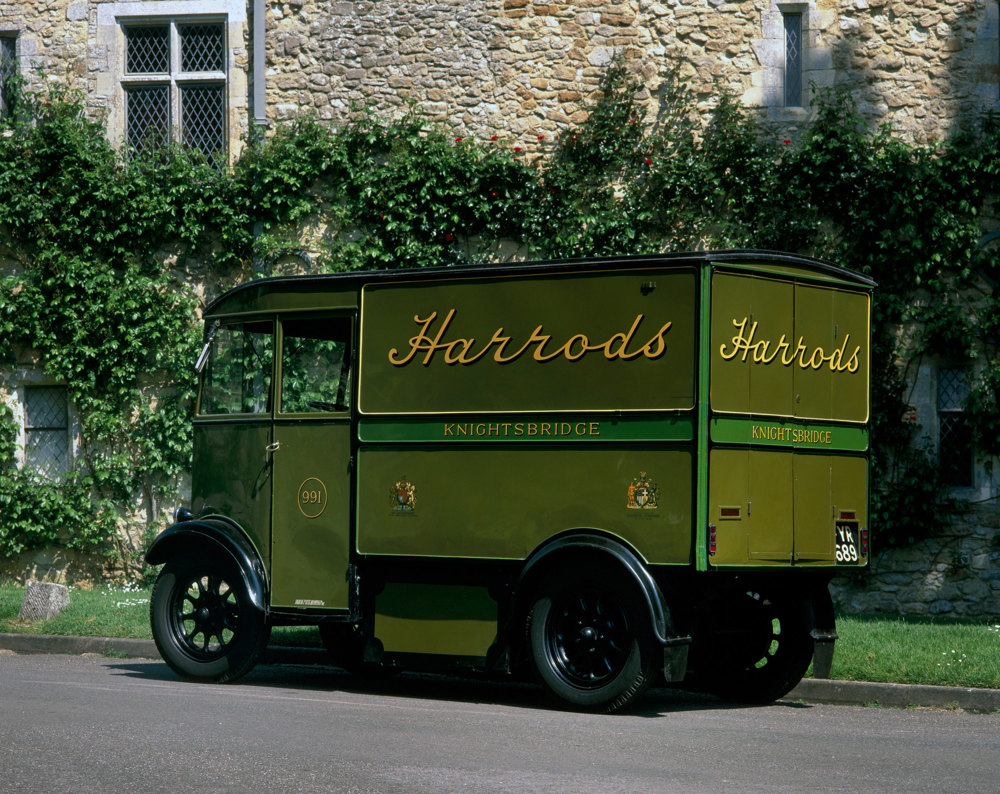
[[312, 497]]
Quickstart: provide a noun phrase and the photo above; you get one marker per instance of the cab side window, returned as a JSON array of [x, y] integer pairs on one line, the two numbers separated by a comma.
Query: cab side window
[[237, 377], [315, 366]]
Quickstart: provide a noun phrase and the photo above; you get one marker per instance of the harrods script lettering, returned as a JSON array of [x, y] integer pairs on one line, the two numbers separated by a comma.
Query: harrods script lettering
[[764, 351], [463, 350]]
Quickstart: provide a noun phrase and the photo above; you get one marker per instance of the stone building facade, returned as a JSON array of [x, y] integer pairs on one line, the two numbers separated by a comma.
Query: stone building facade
[[208, 71], [513, 68]]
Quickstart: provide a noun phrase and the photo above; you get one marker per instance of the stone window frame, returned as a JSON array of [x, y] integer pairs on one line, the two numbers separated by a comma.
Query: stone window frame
[[816, 59], [112, 18]]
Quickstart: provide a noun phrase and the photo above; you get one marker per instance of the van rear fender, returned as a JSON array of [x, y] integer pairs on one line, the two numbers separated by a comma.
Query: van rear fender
[[602, 551], [213, 536]]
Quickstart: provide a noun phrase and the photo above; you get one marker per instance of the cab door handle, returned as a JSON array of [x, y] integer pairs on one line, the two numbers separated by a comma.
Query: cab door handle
[[272, 448]]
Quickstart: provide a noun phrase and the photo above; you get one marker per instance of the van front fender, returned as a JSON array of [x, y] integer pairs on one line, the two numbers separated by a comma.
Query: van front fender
[[213, 536]]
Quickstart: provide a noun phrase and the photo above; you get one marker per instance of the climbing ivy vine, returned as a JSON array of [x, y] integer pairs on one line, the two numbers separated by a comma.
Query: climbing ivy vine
[[95, 244]]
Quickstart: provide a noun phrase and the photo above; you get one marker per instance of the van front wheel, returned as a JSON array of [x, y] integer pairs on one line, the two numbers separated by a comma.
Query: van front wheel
[[204, 624], [591, 642]]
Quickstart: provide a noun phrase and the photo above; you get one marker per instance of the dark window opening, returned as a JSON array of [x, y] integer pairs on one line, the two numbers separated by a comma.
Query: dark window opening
[[955, 450], [793, 60], [8, 76]]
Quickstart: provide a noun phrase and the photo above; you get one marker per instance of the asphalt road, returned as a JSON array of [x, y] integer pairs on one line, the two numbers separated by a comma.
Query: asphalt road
[[87, 723]]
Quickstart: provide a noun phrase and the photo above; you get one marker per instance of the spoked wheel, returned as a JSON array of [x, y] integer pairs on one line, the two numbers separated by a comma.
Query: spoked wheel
[[591, 641], [203, 621], [764, 649]]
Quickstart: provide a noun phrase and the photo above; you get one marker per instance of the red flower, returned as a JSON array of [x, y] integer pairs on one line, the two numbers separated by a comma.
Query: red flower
[[517, 148], [786, 141], [493, 137], [449, 237], [494, 194], [457, 140], [648, 161], [541, 137]]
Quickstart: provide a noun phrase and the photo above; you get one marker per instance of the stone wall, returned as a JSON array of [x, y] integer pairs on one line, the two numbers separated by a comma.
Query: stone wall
[[956, 574], [520, 69]]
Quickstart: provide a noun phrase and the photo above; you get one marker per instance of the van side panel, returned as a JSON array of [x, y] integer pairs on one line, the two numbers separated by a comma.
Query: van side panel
[[503, 503], [615, 341]]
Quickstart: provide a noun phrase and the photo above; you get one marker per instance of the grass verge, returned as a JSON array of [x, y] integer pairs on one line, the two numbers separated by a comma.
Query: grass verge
[[902, 650]]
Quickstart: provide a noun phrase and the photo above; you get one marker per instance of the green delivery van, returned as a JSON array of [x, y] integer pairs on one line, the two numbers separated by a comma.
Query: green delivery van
[[603, 473]]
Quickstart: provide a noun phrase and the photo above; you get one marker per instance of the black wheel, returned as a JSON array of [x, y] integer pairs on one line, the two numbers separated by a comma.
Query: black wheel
[[762, 651], [591, 641], [204, 624]]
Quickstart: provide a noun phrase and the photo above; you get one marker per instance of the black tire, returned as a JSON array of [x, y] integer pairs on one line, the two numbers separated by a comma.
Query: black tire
[[204, 623], [591, 640], [765, 650]]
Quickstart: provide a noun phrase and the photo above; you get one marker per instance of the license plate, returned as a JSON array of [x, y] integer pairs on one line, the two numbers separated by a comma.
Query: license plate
[[846, 542]]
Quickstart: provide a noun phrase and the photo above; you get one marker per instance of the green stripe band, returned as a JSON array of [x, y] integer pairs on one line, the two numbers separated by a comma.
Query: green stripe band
[[788, 433], [522, 428]]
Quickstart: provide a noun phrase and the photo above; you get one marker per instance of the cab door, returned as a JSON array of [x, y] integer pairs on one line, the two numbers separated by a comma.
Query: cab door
[[233, 426], [311, 454]]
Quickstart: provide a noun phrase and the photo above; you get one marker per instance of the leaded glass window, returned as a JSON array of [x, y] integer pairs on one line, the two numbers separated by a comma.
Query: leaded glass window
[[203, 118], [147, 116], [8, 71], [147, 49], [203, 48], [46, 430], [955, 452], [793, 60], [175, 85]]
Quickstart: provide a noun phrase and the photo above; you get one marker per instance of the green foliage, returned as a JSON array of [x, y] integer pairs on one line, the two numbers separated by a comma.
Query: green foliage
[[96, 238], [83, 228]]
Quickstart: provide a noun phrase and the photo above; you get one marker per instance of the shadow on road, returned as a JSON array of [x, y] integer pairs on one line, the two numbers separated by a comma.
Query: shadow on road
[[437, 687]]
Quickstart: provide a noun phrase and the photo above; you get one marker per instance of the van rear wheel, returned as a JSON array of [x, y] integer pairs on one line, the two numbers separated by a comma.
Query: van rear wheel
[[204, 623], [766, 649], [591, 641]]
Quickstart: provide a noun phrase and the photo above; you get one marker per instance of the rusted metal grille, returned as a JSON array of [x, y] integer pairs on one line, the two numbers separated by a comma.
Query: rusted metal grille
[[8, 70], [46, 430], [203, 118], [147, 49], [147, 116], [955, 452], [202, 47]]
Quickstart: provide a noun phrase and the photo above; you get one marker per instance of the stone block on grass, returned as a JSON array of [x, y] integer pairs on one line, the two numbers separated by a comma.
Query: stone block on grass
[[43, 600]]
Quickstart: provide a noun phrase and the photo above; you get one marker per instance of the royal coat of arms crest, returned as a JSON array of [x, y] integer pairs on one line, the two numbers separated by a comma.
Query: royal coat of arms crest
[[403, 495], [642, 493]]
